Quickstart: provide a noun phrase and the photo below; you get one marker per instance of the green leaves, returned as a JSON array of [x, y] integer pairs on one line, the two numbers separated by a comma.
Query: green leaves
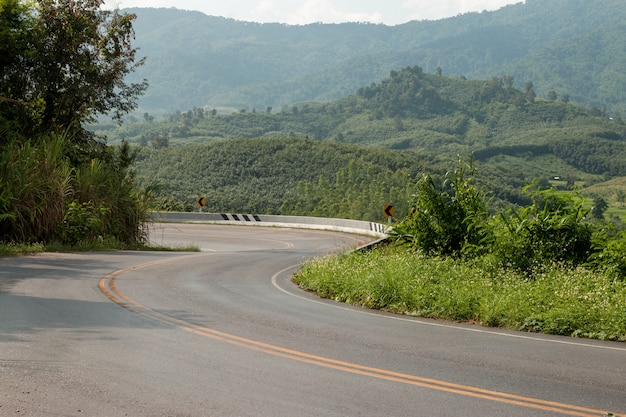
[[448, 219], [44, 197], [554, 228], [82, 222], [451, 220], [36, 180], [64, 62], [69, 59]]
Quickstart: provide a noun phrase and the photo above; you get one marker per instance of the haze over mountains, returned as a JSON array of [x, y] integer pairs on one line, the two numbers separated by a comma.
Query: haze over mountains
[[574, 48]]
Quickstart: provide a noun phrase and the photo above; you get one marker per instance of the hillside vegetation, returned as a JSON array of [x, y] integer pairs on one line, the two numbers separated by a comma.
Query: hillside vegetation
[[417, 121], [282, 176], [572, 47]]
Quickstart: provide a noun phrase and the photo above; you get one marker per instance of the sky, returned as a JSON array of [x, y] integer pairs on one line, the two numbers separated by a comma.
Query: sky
[[300, 12]]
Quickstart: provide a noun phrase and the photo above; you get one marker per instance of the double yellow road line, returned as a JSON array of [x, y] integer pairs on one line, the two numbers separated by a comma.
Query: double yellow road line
[[108, 287]]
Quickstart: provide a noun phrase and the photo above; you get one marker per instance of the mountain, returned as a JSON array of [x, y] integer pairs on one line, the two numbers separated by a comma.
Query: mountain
[[574, 48]]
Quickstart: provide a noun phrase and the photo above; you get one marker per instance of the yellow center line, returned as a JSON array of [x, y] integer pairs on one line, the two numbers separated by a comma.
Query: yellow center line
[[108, 288]]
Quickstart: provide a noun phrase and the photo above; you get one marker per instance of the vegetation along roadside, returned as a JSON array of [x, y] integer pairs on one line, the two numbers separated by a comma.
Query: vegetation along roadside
[[64, 64], [547, 267]]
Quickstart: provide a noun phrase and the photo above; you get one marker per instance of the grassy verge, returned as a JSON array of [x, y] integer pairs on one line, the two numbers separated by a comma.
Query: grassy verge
[[574, 302], [13, 249], [106, 245]]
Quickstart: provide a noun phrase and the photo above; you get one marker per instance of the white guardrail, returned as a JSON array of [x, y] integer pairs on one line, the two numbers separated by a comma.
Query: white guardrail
[[340, 225]]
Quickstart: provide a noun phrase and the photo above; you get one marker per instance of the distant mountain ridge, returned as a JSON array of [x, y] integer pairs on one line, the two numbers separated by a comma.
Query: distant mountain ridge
[[572, 47]]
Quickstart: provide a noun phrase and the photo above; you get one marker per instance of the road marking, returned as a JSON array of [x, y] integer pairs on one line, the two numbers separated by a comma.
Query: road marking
[[107, 286]]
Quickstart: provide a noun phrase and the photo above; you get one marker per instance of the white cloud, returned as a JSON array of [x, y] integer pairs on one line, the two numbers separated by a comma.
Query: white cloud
[[427, 9], [329, 11], [265, 11], [324, 11]]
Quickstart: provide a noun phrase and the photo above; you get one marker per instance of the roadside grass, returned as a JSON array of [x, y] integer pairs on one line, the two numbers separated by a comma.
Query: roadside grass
[[557, 300], [11, 249]]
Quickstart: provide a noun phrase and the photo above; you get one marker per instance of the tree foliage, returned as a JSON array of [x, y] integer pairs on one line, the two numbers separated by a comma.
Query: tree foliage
[[63, 63], [446, 219], [68, 63], [554, 228], [282, 176]]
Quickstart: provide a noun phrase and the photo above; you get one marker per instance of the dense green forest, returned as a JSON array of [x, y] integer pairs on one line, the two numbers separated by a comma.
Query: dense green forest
[[283, 176], [411, 122], [574, 48]]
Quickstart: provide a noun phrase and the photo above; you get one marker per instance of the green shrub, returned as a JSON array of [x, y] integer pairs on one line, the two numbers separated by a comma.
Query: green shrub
[[610, 254], [82, 222], [552, 229], [450, 219], [44, 197], [109, 183]]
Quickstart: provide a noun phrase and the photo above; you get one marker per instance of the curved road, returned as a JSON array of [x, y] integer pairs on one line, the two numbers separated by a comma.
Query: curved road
[[225, 333]]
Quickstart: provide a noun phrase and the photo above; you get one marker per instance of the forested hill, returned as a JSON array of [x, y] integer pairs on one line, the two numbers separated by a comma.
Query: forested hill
[[514, 135], [420, 112], [575, 48], [283, 176]]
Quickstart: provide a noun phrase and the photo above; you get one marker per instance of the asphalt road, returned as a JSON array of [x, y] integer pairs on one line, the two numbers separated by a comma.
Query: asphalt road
[[224, 332]]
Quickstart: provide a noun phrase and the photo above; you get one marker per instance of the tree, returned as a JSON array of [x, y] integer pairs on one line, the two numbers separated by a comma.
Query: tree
[[529, 89], [14, 26], [160, 142], [63, 63], [508, 81], [599, 207], [450, 219], [552, 229], [70, 63], [397, 123]]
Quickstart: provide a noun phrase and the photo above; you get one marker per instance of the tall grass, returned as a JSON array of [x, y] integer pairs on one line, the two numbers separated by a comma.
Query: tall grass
[[109, 184], [36, 182], [557, 300], [45, 197]]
